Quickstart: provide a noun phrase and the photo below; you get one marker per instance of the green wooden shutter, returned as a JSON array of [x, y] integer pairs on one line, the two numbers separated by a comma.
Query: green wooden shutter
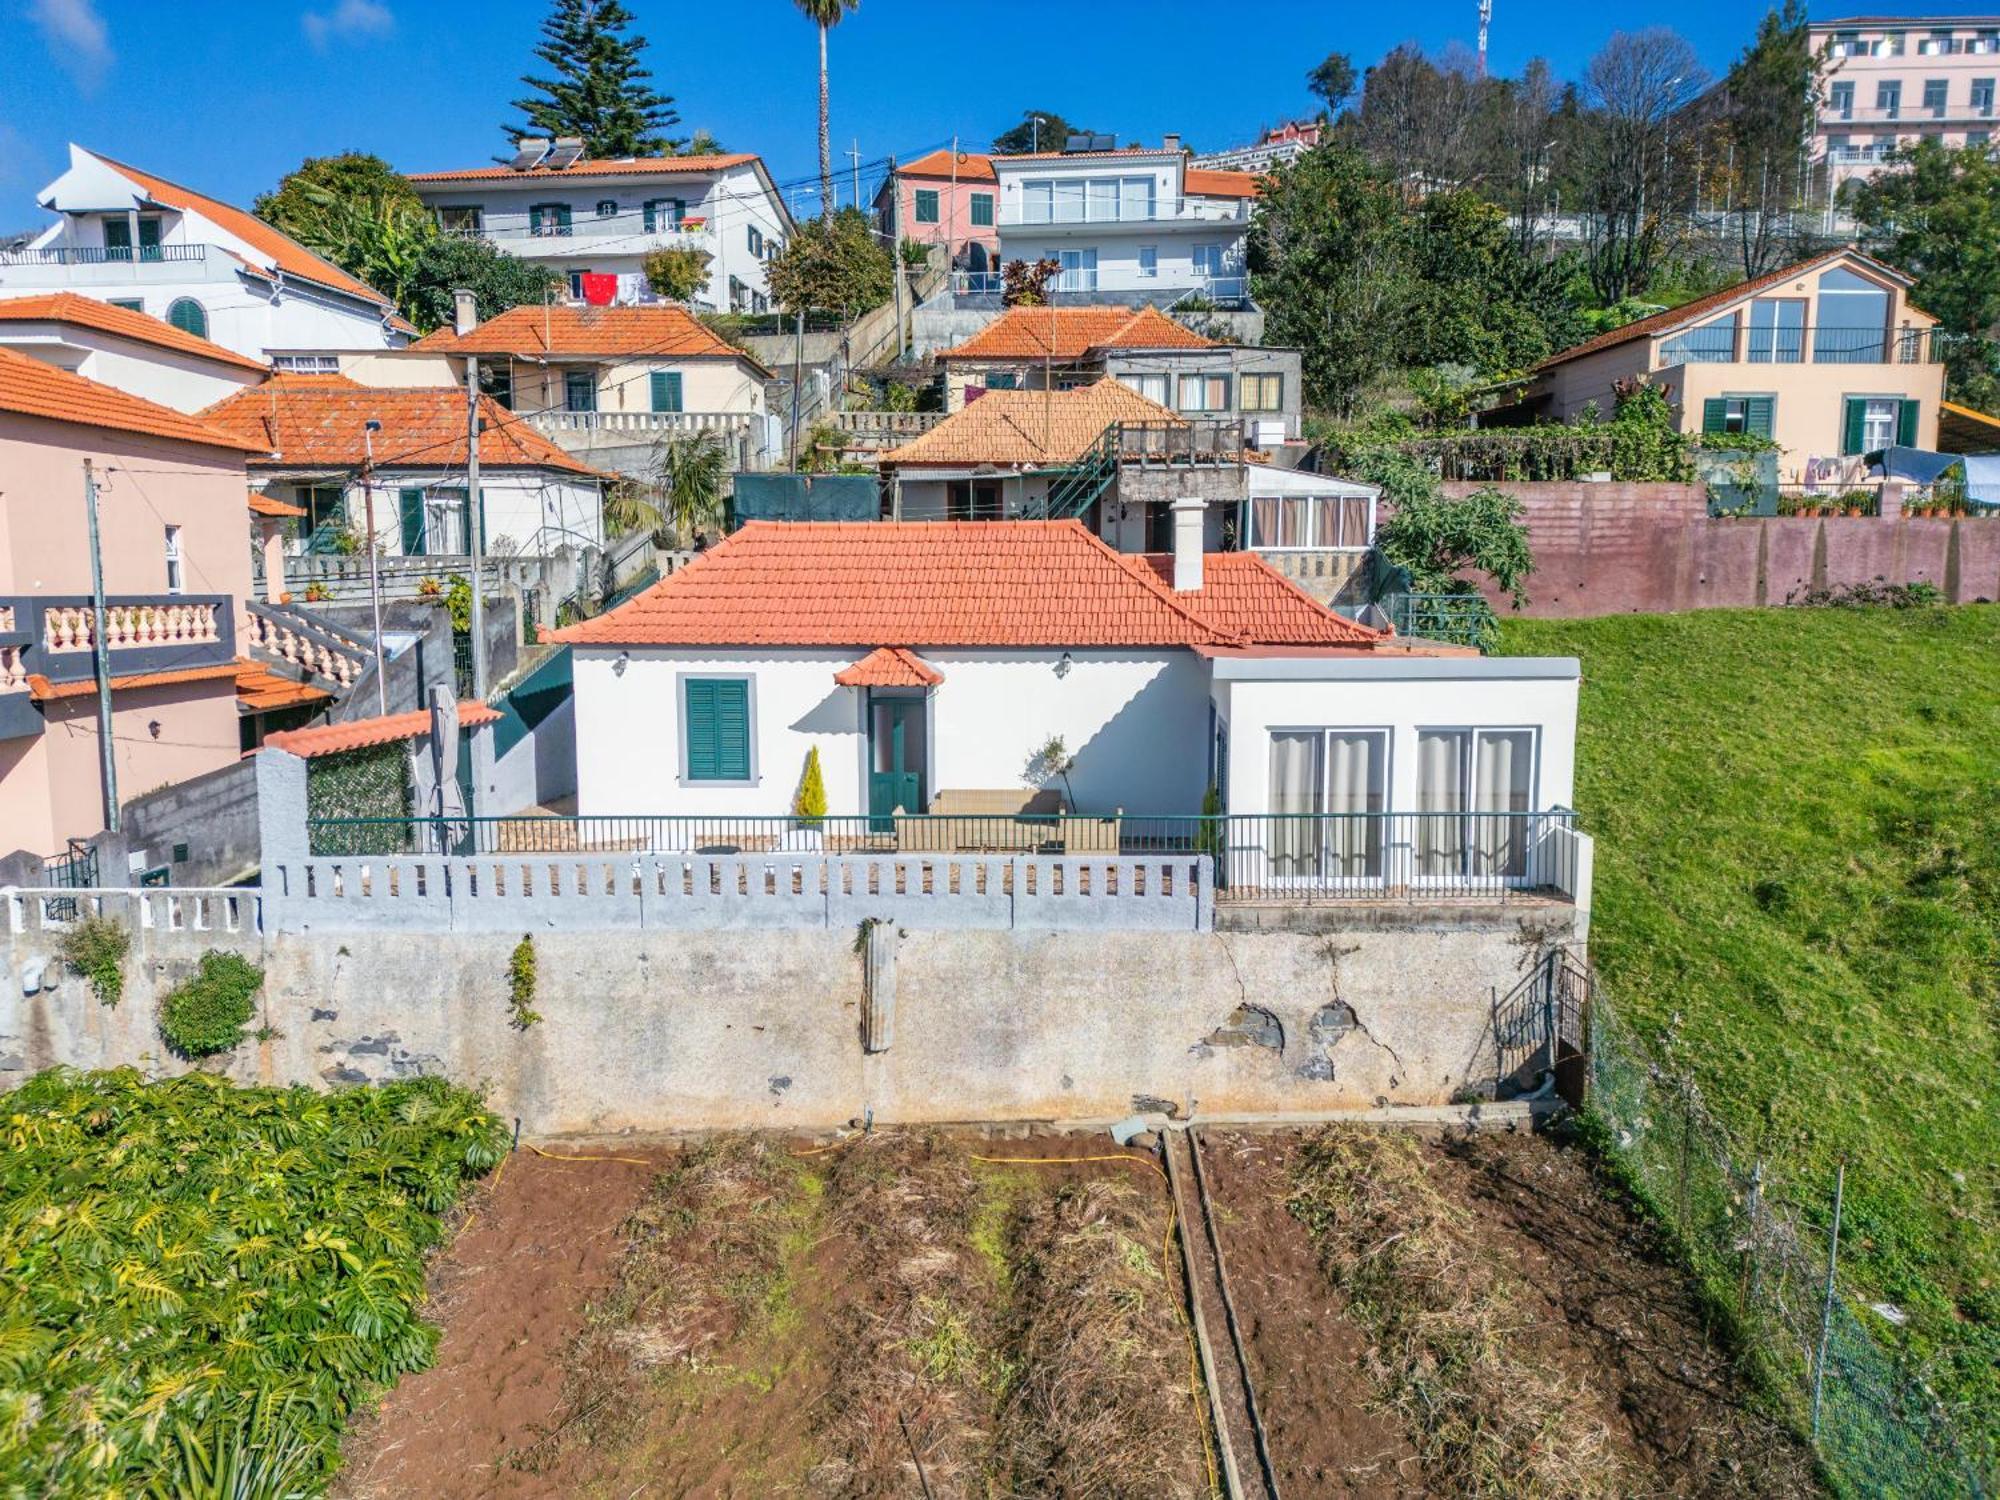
[[717, 729], [189, 316], [651, 215], [410, 504], [1906, 424], [1715, 415], [1757, 415], [666, 390], [1853, 425]]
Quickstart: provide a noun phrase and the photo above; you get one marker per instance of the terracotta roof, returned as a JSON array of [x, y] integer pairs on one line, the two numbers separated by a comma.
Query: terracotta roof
[[972, 166], [312, 420], [1214, 182], [1086, 155], [270, 505], [259, 689], [42, 690], [618, 166], [286, 253], [359, 734], [1701, 307], [1242, 594], [1072, 332], [663, 332], [88, 312], [890, 666], [931, 584], [1028, 428], [33, 389]]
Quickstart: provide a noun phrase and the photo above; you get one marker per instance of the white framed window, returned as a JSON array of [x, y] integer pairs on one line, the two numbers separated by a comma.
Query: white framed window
[[175, 563], [1878, 422], [1204, 393], [466, 218], [1152, 387], [1475, 791], [607, 208], [307, 364], [1328, 801], [1307, 523], [1149, 262]]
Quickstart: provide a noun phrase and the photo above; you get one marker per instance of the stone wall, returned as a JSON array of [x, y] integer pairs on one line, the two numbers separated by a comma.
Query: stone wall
[[1647, 548], [655, 1030]]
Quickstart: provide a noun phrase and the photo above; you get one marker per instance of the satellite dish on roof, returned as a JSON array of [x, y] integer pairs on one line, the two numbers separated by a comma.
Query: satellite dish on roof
[[567, 150], [529, 151]]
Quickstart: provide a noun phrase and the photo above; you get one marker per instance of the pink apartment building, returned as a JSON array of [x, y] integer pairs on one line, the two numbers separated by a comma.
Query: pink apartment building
[[945, 199], [1893, 80], [176, 559]]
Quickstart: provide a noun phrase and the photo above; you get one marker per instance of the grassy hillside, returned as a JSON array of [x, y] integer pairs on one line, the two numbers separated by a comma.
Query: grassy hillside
[[1798, 874]]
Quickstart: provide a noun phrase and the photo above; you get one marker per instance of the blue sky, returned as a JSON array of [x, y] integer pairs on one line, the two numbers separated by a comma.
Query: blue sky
[[227, 97]]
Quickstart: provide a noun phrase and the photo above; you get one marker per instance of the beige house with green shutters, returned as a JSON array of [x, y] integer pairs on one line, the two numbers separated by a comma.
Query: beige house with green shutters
[[1827, 357]]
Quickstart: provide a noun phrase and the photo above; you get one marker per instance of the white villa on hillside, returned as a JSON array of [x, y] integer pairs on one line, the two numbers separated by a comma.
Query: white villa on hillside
[[587, 219], [930, 665], [119, 347], [141, 242], [1138, 223]]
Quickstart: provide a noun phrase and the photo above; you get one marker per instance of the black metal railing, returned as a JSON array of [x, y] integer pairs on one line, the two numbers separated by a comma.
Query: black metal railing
[[1279, 857]]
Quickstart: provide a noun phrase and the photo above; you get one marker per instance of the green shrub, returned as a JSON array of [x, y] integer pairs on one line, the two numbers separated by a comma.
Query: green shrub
[[96, 949], [206, 1014], [809, 806], [521, 980], [197, 1279]]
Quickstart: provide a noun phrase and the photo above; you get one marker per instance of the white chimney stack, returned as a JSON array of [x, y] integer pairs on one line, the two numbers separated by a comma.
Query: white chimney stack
[[1189, 513], [464, 311], [1171, 143]]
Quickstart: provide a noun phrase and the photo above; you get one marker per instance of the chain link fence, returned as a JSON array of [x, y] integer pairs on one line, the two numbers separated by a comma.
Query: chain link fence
[[1876, 1429]]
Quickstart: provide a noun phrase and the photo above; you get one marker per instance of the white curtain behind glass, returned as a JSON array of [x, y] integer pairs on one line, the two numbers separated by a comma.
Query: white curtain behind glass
[[1354, 790], [1501, 770], [1441, 755], [1295, 789]]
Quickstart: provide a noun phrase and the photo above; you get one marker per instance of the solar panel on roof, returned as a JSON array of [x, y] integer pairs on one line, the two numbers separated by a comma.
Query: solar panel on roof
[[568, 148], [528, 152]]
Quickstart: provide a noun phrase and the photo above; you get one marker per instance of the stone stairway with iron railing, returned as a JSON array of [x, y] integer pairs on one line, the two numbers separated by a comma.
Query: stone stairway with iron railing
[[307, 641]]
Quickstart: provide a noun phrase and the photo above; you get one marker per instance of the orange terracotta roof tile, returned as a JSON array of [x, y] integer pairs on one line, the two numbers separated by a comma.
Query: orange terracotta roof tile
[[1244, 595], [935, 584], [301, 421], [971, 166], [1701, 307], [890, 666], [33, 389], [620, 166], [270, 505], [259, 689], [43, 691], [1213, 182], [360, 734], [1029, 428], [286, 253], [1072, 332], [660, 332], [88, 312]]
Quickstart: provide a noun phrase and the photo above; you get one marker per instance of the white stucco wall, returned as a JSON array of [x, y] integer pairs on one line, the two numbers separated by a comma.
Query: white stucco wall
[[526, 510], [185, 382], [1134, 720]]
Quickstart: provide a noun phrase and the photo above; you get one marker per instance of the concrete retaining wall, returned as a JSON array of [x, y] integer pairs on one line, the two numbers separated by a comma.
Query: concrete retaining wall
[[1616, 548], [699, 1029]]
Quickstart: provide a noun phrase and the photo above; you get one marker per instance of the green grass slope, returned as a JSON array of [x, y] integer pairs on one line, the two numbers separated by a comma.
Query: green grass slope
[[1798, 874]]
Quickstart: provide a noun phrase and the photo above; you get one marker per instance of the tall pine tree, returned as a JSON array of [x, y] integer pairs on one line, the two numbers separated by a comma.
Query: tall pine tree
[[599, 90]]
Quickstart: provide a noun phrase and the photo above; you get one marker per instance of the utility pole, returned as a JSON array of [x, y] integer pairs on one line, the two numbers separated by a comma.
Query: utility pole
[[101, 653], [896, 254], [854, 156], [475, 526], [368, 430], [798, 375]]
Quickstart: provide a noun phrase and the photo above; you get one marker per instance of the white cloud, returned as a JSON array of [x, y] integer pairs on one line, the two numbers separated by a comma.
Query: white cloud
[[349, 21], [76, 35]]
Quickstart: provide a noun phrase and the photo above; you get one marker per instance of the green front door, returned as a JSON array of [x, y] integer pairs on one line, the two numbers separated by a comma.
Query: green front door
[[895, 759]]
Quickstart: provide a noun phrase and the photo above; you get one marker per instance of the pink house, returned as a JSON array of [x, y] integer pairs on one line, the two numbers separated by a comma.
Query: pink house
[[945, 199], [170, 502]]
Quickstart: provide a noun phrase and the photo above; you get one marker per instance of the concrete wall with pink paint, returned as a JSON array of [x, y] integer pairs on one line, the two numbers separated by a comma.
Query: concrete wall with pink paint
[[1604, 549], [144, 485], [954, 225]]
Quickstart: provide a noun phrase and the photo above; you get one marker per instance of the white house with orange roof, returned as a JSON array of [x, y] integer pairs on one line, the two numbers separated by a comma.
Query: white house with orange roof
[[131, 350], [593, 222], [1028, 686], [134, 239], [1128, 224]]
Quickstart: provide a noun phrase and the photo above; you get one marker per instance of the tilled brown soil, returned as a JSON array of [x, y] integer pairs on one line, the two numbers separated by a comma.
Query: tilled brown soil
[[1603, 1313]]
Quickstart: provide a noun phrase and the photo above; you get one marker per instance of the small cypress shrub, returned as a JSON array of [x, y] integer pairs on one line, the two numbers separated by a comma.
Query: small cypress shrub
[[521, 984], [206, 1013], [809, 806], [96, 949]]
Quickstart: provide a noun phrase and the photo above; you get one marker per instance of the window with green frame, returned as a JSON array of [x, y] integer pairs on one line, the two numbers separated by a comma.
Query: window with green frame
[[1871, 423], [715, 728], [664, 213], [666, 390], [1753, 415], [548, 218], [927, 205], [579, 391], [982, 210], [189, 316]]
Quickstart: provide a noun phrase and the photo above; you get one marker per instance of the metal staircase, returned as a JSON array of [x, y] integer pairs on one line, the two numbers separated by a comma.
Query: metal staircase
[[1076, 486]]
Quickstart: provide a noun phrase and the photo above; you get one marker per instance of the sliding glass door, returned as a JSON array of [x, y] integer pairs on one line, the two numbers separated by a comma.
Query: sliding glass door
[[1475, 788], [1328, 789]]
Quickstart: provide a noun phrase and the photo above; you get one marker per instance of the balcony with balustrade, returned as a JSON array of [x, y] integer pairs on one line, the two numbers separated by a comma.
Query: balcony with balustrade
[[75, 266], [52, 640]]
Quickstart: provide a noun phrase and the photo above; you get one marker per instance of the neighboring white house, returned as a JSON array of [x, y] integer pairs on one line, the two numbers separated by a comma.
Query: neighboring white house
[[144, 243], [593, 218], [929, 665], [535, 498], [116, 346], [1138, 223]]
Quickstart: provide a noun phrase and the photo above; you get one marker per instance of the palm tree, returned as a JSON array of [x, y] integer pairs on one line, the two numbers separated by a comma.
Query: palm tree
[[690, 473], [825, 13]]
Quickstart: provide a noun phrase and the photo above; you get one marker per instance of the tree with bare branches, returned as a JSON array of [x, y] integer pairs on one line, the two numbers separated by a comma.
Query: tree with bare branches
[[1633, 90]]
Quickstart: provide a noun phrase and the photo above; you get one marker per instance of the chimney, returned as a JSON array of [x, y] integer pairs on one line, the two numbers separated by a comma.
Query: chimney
[[1171, 143], [464, 310], [1189, 513]]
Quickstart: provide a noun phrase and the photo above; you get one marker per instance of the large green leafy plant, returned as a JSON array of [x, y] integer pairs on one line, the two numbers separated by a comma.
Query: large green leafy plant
[[198, 1282]]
